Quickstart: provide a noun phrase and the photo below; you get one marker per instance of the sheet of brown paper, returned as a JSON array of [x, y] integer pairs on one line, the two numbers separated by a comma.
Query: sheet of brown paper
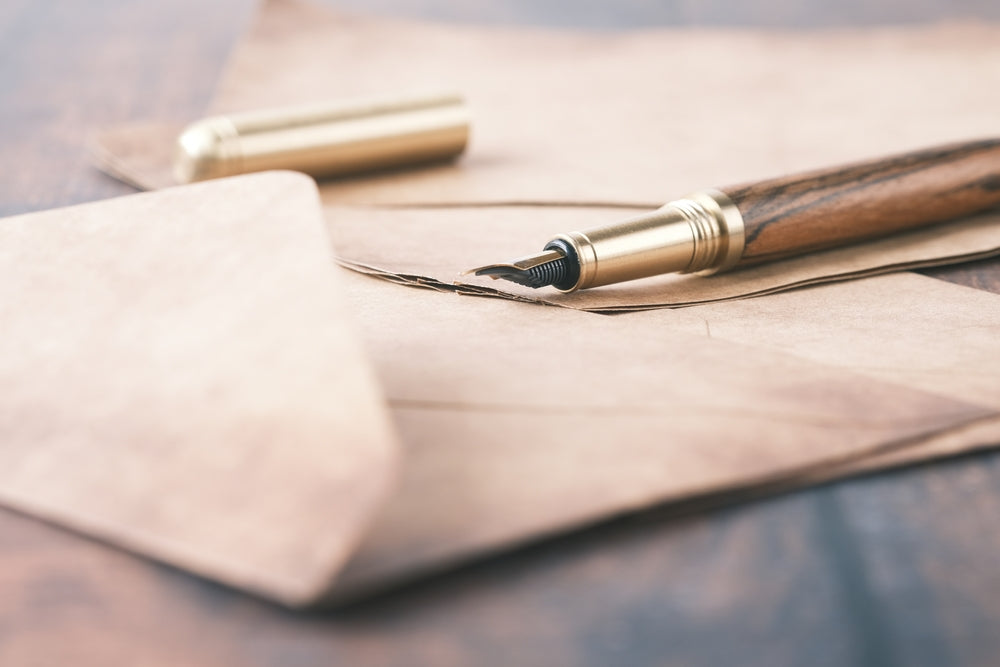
[[180, 378], [905, 328], [519, 421], [635, 117], [435, 245], [625, 118]]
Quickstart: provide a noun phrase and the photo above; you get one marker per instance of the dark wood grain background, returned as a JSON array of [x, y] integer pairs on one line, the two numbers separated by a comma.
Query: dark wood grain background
[[899, 568]]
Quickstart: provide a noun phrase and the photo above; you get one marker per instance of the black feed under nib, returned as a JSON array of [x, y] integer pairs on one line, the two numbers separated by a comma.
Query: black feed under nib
[[542, 275], [550, 267]]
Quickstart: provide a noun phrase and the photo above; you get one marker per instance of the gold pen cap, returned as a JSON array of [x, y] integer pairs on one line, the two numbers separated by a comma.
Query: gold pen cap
[[335, 139]]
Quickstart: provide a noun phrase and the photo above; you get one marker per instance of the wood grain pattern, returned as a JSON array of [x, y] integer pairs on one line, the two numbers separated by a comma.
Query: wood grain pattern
[[822, 209], [897, 568]]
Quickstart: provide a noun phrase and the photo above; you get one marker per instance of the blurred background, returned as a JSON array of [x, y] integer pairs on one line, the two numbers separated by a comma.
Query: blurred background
[[637, 13]]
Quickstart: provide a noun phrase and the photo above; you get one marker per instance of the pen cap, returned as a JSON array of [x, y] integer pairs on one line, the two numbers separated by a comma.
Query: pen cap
[[333, 139]]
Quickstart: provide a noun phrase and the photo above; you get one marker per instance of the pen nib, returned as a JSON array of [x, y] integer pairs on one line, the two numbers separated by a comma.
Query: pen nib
[[549, 267]]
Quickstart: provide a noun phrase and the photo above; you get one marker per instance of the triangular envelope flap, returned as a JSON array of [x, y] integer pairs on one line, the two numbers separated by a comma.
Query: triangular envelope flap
[[179, 379]]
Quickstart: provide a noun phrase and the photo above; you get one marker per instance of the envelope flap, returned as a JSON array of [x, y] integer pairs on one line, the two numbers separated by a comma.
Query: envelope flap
[[179, 379]]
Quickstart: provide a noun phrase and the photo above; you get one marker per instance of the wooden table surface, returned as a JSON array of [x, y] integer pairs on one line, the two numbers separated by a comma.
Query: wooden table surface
[[896, 568]]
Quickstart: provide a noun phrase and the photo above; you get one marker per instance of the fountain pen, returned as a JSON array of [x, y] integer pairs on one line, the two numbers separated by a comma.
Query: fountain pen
[[718, 229]]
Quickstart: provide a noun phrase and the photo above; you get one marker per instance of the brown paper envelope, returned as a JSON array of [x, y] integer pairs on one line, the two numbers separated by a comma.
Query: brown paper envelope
[[503, 442], [179, 378], [440, 243], [635, 117], [520, 421], [181, 382]]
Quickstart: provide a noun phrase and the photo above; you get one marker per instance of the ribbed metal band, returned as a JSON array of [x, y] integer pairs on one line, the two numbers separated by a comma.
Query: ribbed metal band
[[706, 233], [716, 230]]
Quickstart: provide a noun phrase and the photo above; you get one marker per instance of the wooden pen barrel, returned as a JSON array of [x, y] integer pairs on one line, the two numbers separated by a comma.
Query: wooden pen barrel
[[831, 207]]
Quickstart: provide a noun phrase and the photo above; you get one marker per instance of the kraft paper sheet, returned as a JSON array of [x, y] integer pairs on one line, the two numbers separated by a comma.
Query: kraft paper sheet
[[628, 119], [182, 381]]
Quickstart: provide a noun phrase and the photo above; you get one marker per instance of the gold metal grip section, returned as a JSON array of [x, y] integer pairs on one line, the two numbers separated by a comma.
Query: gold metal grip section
[[699, 233]]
